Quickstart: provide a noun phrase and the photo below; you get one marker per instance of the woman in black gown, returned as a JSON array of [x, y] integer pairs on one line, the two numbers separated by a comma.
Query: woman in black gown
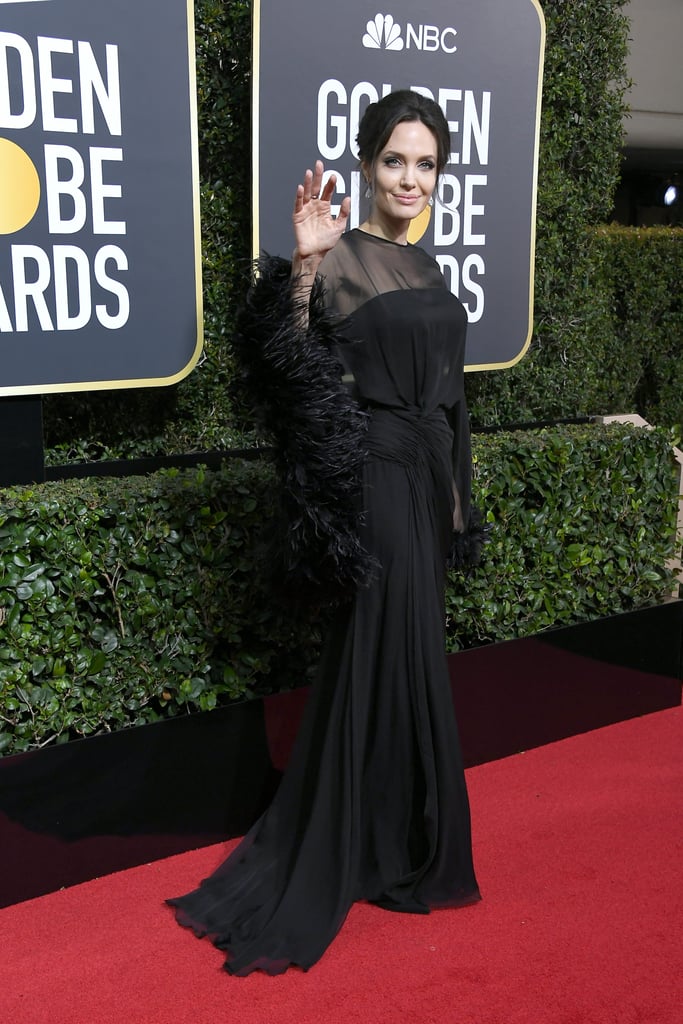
[[373, 804]]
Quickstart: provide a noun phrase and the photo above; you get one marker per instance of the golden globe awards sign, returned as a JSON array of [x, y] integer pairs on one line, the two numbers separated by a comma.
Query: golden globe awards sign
[[99, 225], [481, 60]]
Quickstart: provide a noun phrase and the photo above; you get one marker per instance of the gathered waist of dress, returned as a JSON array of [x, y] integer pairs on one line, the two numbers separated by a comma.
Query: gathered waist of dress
[[405, 434], [404, 411]]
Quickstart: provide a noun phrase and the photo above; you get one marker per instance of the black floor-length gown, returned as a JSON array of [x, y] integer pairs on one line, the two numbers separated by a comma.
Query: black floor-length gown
[[373, 804]]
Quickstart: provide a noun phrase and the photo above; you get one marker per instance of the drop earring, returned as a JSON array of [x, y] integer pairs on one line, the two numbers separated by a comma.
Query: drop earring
[[369, 192], [430, 201]]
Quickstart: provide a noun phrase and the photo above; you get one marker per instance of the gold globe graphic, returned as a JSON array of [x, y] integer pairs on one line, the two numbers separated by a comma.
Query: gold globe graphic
[[19, 188], [419, 225]]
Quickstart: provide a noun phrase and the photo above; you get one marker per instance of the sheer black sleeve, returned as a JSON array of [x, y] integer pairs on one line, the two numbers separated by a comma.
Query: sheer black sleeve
[[292, 375]]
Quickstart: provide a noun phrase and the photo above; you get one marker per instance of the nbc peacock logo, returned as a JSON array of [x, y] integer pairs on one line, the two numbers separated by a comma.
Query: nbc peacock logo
[[383, 33]]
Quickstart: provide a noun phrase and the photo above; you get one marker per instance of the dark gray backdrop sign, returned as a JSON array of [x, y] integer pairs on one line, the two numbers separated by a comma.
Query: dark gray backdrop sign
[[99, 214], [315, 70]]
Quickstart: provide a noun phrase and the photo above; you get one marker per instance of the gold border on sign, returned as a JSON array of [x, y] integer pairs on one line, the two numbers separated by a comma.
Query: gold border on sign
[[255, 125], [150, 382], [471, 367]]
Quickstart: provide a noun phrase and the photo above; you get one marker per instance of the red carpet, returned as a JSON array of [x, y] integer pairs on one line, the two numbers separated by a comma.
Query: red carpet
[[578, 852]]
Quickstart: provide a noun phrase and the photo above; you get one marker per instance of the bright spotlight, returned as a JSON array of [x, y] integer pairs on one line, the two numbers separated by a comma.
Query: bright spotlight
[[671, 195]]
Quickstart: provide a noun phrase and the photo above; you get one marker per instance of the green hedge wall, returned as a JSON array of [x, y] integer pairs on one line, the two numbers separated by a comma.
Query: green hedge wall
[[581, 330], [124, 601], [640, 271], [581, 136], [584, 525], [623, 344]]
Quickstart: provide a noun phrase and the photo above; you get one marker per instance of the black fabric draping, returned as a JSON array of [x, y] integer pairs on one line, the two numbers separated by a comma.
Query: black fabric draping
[[373, 804]]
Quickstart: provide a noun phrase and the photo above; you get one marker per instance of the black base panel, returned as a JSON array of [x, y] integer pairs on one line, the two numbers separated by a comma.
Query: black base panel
[[71, 813], [21, 441]]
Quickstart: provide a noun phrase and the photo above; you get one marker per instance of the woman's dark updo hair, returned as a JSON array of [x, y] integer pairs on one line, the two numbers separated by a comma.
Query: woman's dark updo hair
[[380, 119]]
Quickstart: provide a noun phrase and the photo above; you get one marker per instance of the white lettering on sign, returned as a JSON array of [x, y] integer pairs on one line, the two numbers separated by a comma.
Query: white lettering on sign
[[25, 289], [332, 146], [64, 87], [461, 281], [20, 100], [429, 38], [56, 289], [71, 185], [472, 209], [338, 118]]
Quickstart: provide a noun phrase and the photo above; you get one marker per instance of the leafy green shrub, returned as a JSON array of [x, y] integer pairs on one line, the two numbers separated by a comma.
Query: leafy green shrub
[[626, 349], [643, 270], [584, 81], [124, 601], [584, 522]]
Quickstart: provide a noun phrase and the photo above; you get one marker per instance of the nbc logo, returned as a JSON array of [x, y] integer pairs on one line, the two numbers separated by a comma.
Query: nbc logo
[[383, 28], [383, 33]]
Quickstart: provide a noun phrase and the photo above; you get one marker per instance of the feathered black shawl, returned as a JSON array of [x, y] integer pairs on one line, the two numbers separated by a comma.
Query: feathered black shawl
[[293, 376]]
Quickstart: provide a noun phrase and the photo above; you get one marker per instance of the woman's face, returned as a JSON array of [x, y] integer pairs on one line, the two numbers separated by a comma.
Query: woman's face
[[404, 175]]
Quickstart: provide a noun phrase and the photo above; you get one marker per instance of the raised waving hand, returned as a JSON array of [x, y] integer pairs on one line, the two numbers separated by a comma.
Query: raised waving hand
[[316, 231]]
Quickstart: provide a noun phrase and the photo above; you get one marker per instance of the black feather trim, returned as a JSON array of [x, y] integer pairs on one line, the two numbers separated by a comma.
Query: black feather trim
[[467, 546], [293, 375]]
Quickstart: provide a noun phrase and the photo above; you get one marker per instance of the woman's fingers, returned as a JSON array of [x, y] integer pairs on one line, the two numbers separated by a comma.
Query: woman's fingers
[[299, 199], [313, 183], [313, 188], [344, 211], [304, 193], [317, 179], [328, 191]]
